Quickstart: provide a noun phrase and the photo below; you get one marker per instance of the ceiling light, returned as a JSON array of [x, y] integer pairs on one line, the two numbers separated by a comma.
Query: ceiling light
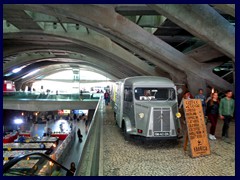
[[8, 74], [16, 70], [31, 73], [18, 121]]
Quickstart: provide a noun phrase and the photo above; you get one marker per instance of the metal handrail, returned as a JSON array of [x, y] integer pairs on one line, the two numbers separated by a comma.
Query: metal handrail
[[90, 160], [38, 96]]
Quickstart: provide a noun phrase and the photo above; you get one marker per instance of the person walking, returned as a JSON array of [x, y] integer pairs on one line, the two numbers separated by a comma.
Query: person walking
[[202, 97], [186, 95], [106, 97], [74, 116], [79, 134], [72, 169], [212, 113], [226, 110], [61, 127]]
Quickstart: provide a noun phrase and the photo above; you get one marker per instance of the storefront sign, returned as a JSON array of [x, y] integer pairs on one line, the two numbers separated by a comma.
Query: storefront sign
[[196, 128]]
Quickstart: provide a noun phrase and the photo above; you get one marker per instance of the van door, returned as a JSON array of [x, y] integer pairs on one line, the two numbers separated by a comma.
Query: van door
[[118, 108], [128, 104]]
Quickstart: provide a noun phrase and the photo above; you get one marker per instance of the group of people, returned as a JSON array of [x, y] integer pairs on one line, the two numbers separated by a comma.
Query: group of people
[[213, 108]]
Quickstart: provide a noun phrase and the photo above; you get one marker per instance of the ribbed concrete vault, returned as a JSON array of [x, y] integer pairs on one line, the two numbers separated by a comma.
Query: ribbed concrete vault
[[122, 48]]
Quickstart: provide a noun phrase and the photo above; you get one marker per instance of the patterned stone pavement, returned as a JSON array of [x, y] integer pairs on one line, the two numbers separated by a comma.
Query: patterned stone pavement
[[163, 158]]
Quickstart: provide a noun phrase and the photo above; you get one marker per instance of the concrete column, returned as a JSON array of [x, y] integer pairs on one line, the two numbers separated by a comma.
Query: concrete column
[[29, 85], [23, 87], [90, 114], [18, 86], [195, 83], [179, 78]]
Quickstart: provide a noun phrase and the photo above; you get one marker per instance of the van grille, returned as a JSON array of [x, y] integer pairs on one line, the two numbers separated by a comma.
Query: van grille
[[161, 119]]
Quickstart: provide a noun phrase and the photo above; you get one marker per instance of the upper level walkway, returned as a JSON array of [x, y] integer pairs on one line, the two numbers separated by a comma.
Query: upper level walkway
[[47, 102]]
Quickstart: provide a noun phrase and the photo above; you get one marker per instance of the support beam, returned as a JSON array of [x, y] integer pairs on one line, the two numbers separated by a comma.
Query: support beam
[[48, 67], [62, 25], [134, 9], [99, 44], [92, 57], [227, 8], [81, 80], [61, 67], [21, 20], [204, 53], [204, 22], [31, 57], [23, 59], [162, 65]]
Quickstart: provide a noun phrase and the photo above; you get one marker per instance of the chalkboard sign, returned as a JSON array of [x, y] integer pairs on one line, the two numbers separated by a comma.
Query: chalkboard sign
[[196, 128]]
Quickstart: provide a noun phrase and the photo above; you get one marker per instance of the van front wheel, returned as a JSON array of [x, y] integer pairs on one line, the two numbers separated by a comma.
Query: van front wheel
[[126, 135]]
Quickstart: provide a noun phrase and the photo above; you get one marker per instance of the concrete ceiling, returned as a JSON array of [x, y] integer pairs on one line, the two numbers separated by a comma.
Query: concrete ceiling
[[120, 40]]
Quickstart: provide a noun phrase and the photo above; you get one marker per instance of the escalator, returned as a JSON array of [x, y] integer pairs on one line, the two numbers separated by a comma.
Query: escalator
[[35, 164]]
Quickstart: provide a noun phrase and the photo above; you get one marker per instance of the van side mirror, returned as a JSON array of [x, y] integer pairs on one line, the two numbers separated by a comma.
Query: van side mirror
[[179, 91]]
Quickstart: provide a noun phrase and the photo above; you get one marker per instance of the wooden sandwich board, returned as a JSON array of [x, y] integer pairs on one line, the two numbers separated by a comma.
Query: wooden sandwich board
[[196, 128]]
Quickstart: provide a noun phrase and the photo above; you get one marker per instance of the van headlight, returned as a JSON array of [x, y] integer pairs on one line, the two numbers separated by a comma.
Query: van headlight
[[141, 115], [178, 114]]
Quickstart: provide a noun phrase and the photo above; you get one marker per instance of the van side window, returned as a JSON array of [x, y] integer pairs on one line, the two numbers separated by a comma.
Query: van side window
[[128, 95]]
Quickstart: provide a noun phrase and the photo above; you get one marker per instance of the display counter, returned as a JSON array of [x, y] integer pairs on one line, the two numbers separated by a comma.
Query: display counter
[[63, 149], [25, 134], [26, 146], [25, 164], [61, 136], [45, 139], [13, 154], [23, 168], [10, 137]]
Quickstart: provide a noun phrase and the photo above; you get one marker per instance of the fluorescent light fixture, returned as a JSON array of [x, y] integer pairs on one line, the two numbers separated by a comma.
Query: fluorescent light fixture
[[17, 70], [18, 121], [31, 73], [8, 74]]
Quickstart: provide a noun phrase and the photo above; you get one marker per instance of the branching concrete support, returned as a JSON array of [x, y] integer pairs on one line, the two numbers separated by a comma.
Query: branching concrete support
[[18, 86], [204, 22]]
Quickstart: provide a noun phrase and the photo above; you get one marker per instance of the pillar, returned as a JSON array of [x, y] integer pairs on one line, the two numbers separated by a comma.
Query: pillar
[[195, 83], [18, 86], [90, 114]]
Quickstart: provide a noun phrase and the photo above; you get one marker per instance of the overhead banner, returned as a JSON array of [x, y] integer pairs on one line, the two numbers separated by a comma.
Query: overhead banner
[[196, 127]]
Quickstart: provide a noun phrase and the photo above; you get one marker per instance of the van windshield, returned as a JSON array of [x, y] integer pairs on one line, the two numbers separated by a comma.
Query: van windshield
[[159, 94]]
